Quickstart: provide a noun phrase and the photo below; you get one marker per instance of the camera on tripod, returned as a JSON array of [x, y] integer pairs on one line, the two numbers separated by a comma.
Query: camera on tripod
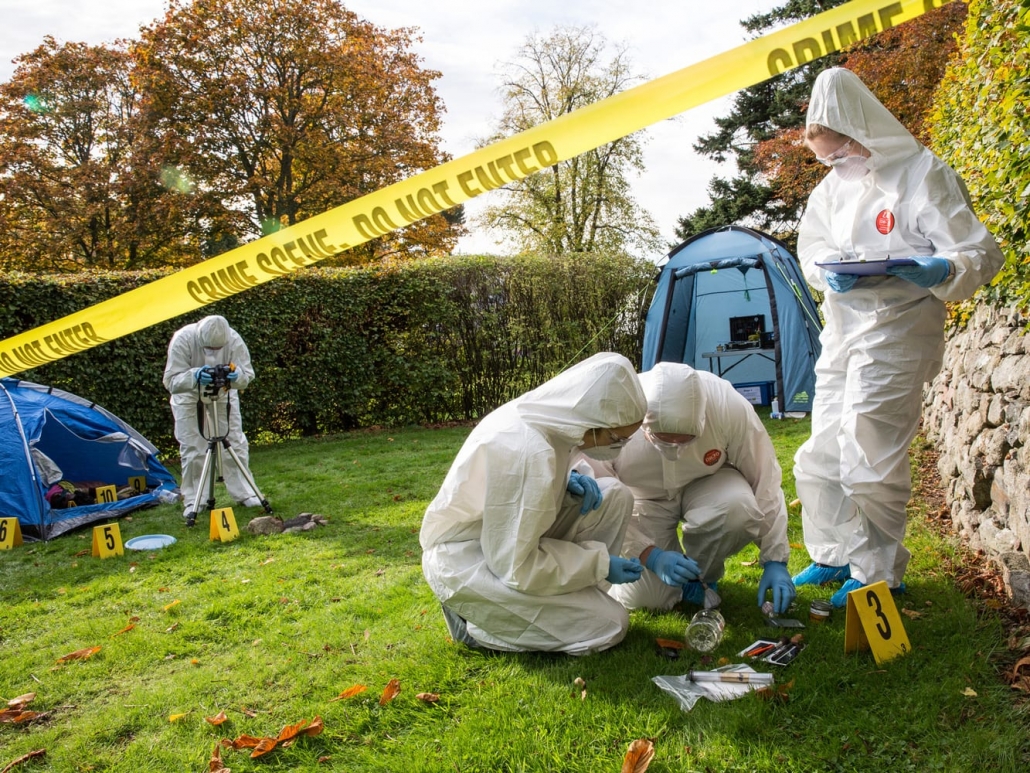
[[220, 380]]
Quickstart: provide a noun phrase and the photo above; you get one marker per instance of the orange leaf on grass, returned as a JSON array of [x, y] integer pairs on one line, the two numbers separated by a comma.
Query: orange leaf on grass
[[290, 731], [217, 719], [265, 745], [350, 692], [638, 756], [126, 629], [315, 728], [22, 700], [390, 692], [245, 742], [214, 765], [17, 716], [86, 652], [428, 697], [172, 604]]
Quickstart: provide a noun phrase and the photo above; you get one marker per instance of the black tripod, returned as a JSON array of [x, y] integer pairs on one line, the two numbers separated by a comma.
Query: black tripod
[[207, 414]]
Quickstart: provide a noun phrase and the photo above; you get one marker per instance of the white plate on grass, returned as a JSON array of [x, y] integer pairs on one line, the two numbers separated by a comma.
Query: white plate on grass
[[150, 542]]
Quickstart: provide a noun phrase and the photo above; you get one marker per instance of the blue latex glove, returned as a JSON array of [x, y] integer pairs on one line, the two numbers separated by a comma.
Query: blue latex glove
[[622, 570], [927, 272], [671, 567], [776, 578], [584, 486], [233, 375], [202, 376], [841, 283]]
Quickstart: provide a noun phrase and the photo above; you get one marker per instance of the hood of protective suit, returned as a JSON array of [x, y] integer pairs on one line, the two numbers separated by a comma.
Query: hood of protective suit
[[213, 332], [840, 101], [601, 391], [675, 399]]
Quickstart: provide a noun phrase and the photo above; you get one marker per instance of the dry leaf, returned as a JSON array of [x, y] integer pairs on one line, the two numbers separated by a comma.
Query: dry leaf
[[169, 606], [266, 562], [82, 654], [171, 628], [350, 692], [217, 719], [580, 682], [428, 697], [23, 758], [214, 765], [21, 700], [18, 716], [368, 634], [82, 553], [969, 692], [390, 692], [245, 742], [912, 614], [177, 717], [126, 629], [248, 712], [315, 728], [265, 745], [639, 756], [290, 731]]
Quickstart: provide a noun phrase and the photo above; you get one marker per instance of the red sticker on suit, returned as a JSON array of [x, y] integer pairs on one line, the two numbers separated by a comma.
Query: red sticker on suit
[[885, 221], [713, 456]]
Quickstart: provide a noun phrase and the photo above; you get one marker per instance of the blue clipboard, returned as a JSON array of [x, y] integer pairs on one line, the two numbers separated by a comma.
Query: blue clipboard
[[865, 267]]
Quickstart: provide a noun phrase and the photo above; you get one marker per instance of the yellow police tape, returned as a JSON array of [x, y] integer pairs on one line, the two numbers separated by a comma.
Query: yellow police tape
[[456, 181]]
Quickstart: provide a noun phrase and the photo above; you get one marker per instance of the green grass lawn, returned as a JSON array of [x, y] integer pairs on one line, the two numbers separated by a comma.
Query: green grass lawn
[[270, 629]]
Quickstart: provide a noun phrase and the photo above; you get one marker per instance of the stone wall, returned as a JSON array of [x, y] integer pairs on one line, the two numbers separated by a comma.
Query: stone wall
[[977, 413]]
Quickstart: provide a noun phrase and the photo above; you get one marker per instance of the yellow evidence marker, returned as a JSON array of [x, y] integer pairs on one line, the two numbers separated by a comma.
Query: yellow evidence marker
[[873, 622], [223, 525], [138, 483], [10, 533], [107, 494], [107, 541]]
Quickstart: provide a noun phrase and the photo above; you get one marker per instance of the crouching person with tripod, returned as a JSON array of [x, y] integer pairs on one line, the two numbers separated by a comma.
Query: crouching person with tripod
[[208, 366]]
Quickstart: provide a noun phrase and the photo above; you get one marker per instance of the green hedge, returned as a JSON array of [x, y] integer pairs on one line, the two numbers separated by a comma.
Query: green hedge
[[981, 126], [433, 341]]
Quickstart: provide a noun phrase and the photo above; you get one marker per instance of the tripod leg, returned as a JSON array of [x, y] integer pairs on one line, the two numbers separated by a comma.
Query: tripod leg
[[206, 481], [247, 477]]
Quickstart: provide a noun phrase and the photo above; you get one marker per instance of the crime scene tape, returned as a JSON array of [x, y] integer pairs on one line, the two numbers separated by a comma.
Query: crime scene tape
[[456, 181]]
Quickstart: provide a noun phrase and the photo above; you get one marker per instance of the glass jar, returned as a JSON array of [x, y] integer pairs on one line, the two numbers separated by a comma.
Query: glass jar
[[705, 630], [819, 611]]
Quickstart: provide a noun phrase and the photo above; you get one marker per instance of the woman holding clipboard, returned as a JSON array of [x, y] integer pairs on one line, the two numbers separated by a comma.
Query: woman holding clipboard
[[888, 236]]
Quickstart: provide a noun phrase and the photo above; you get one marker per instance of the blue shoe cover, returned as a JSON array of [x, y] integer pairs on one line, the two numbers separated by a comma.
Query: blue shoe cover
[[819, 574], [897, 591], [840, 598], [694, 593]]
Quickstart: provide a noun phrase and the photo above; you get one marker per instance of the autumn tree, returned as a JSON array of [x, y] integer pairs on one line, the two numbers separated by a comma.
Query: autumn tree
[[287, 108], [73, 189], [583, 204]]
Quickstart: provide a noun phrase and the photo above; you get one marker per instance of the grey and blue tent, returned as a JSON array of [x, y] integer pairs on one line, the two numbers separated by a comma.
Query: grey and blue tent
[[49, 437], [733, 300]]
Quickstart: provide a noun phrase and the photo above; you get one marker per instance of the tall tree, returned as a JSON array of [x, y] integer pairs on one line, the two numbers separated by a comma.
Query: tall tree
[[288, 108], [73, 193], [583, 204]]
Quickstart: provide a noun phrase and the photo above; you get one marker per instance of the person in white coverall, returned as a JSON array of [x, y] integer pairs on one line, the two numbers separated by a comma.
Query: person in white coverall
[[887, 196], [193, 347], [705, 463], [518, 547]]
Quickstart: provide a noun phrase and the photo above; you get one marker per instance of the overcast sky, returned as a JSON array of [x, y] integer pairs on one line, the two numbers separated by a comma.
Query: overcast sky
[[468, 41]]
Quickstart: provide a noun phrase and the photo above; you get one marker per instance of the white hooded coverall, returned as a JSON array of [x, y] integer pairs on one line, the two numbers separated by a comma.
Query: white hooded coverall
[[724, 488], [185, 353], [883, 338], [504, 545]]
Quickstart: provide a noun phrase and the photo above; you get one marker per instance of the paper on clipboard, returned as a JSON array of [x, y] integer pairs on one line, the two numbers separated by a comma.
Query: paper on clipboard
[[865, 267]]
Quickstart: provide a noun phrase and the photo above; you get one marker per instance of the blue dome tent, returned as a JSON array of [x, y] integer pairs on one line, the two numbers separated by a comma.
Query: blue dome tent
[[49, 435], [733, 300]]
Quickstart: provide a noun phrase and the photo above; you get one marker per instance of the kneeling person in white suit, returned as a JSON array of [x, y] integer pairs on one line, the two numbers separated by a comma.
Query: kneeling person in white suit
[[520, 548], [703, 461]]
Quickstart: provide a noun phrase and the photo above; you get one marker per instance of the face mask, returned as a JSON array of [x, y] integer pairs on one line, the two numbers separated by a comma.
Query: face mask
[[852, 168], [602, 453]]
